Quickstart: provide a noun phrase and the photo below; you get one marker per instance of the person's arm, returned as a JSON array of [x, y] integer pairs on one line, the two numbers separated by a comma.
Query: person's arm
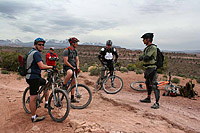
[[65, 58], [149, 54], [56, 55], [141, 57], [77, 62], [116, 54], [48, 56], [100, 56], [37, 57], [43, 66]]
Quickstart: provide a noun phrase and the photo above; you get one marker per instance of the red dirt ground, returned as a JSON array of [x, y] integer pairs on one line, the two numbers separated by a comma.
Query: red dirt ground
[[119, 113]]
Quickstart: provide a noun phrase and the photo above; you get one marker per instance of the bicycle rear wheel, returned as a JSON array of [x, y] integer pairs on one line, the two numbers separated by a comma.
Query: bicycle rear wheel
[[26, 100], [58, 105], [112, 84], [83, 96], [138, 86]]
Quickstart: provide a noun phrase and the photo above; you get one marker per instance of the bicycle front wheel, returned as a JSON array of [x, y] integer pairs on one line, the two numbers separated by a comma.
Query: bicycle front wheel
[[82, 94], [58, 105], [26, 100], [138, 86], [112, 84]]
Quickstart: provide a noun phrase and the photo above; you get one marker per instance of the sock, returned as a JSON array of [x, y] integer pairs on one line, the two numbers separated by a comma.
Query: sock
[[72, 96], [46, 102], [34, 116]]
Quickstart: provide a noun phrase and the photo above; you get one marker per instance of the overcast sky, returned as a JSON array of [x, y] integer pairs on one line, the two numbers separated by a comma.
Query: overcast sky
[[175, 23]]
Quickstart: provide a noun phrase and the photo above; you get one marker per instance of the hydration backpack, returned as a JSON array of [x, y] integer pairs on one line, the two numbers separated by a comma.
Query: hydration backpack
[[159, 59], [22, 64]]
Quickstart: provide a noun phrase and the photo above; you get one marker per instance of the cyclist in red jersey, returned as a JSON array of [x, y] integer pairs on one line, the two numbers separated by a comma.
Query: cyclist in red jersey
[[51, 57], [71, 62]]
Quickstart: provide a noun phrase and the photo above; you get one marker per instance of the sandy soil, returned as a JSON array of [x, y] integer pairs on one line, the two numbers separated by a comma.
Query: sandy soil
[[119, 113]]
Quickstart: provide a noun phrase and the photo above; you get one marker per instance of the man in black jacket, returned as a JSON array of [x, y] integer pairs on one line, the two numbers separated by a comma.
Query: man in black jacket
[[106, 56]]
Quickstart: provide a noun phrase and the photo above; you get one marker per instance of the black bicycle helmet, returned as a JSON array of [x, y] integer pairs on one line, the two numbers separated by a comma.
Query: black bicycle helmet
[[109, 43], [39, 40], [147, 35], [73, 40]]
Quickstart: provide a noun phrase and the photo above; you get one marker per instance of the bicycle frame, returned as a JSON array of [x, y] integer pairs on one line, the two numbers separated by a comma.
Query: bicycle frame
[[45, 88], [161, 83], [108, 71]]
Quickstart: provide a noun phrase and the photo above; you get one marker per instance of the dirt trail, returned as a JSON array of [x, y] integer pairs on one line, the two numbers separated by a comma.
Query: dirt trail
[[117, 113]]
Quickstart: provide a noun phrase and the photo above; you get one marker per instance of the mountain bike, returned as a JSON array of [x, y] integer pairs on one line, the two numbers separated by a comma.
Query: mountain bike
[[141, 86], [58, 102], [110, 84], [83, 94]]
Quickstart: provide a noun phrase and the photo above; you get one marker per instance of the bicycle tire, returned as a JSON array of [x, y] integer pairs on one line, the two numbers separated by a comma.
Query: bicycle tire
[[138, 86], [98, 85], [26, 100], [117, 83], [61, 104], [84, 99]]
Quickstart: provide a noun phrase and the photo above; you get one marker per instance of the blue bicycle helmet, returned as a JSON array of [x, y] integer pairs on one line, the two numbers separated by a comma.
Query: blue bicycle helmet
[[39, 40]]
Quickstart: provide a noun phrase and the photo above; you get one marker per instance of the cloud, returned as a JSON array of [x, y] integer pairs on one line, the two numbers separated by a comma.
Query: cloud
[[93, 20]]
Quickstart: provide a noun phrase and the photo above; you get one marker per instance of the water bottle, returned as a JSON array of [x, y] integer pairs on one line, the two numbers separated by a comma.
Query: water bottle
[[69, 82]]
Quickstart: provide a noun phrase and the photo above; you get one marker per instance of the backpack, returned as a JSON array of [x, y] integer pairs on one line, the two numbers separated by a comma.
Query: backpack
[[188, 90], [159, 59], [22, 64]]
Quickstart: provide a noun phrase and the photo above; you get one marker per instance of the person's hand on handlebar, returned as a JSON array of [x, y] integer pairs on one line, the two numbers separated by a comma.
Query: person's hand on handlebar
[[77, 70], [55, 68]]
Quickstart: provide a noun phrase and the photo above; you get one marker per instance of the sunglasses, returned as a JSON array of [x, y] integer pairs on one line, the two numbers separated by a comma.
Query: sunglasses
[[40, 44]]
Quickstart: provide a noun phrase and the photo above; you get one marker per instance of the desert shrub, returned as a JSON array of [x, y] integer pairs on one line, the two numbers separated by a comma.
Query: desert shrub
[[181, 75], [159, 71], [198, 80], [9, 61], [131, 67], [95, 71], [4, 72], [123, 69], [165, 78], [139, 71], [139, 65], [176, 80], [84, 68]]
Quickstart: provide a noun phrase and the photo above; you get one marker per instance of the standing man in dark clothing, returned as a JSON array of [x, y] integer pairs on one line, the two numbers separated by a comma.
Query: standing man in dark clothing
[[33, 76], [71, 62], [149, 56], [106, 56]]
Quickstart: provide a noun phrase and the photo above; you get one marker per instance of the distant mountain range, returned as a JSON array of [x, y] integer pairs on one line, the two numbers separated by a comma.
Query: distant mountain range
[[63, 43], [49, 43]]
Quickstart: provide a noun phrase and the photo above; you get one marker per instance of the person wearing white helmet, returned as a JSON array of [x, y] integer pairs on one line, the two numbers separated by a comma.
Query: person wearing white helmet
[[51, 57]]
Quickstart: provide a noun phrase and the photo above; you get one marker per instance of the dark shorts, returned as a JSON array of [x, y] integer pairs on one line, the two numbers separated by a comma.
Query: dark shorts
[[34, 85], [150, 75], [66, 68]]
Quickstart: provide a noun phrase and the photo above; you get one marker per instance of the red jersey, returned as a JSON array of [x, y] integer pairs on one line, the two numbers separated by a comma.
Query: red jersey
[[51, 62]]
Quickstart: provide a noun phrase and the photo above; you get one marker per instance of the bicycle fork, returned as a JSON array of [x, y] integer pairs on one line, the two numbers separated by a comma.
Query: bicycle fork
[[76, 84]]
